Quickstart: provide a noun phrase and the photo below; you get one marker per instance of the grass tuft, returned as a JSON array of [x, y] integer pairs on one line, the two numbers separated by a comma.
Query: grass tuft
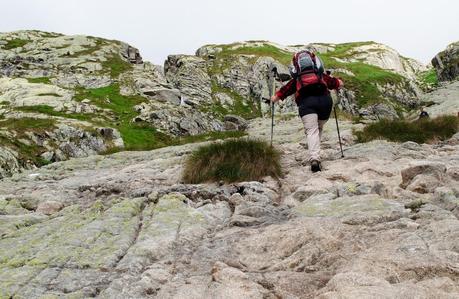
[[420, 131], [231, 161]]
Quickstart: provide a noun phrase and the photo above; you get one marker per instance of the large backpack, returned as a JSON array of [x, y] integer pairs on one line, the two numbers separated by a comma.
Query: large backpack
[[308, 69]]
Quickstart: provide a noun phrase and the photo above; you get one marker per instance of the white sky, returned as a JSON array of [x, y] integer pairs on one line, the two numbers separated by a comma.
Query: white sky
[[416, 28]]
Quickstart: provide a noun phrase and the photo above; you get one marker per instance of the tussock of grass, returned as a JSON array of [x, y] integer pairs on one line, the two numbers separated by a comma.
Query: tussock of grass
[[50, 94], [420, 131], [231, 161]]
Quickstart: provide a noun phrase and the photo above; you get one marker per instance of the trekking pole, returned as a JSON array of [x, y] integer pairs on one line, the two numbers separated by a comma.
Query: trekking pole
[[337, 128], [272, 123], [272, 88], [336, 120]]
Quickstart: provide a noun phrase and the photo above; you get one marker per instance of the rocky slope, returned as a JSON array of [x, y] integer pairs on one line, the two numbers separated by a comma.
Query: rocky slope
[[72, 96], [443, 100], [379, 81], [446, 63], [380, 223]]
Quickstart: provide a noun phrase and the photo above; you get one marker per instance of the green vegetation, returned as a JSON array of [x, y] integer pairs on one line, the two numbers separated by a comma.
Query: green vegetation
[[48, 110], [363, 83], [207, 137], [15, 43], [225, 58], [21, 124], [114, 62], [365, 78], [52, 94], [429, 78], [44, 80], [88, 50], [247, 109], [420, 131], [27, 152], [231, 161], [347, 49], [116, 65], [283, 57], [136, 136]]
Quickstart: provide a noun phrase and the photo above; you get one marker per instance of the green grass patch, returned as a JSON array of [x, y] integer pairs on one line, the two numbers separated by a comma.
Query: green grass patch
[[44, 80], [207, 137], [15, 43], [142, 136], [231, 161], [429, 78], [116, 65], [51, 94], [229, 54], [48, 110], [363, 83], [365, 79], [248, 109], [282, 56], [88, 50], [26, 123], [136, 136], [26, 152], [420, 131], [347, 49]]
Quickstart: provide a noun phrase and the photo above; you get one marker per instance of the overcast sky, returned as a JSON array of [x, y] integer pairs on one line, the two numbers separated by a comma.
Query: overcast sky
[[416, 28]]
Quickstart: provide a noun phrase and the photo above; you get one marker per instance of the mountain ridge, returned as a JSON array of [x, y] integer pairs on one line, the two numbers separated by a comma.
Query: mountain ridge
[[88, 85]]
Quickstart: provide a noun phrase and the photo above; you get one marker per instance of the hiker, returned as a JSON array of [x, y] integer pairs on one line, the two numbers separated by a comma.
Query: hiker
[[311, 85], [423, 113]]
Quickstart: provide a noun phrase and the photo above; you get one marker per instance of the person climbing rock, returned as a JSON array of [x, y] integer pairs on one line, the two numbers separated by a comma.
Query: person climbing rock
[[311, 86]]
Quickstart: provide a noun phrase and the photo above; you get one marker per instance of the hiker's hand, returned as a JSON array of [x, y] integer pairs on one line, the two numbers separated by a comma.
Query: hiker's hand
[[275, 98], [341, 84]]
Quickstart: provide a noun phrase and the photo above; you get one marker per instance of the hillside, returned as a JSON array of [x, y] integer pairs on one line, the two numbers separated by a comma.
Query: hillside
[[107, 214], [379, 81], [74, 96], [380, 223]]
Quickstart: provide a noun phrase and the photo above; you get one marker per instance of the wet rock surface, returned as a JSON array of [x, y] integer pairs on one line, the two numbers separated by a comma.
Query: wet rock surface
[[124, 226]]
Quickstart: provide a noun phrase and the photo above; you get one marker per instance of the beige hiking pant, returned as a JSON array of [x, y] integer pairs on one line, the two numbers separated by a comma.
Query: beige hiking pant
[[313, 129]]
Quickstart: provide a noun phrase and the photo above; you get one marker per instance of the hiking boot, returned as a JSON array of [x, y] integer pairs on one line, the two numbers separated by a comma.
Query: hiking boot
[[315, 166]]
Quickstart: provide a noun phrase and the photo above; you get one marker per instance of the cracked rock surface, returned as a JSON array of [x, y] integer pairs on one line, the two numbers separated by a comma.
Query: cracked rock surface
[[380, 223]]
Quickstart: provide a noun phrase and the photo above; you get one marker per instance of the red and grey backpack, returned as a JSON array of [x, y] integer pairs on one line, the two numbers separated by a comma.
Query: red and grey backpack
[[308, 69]]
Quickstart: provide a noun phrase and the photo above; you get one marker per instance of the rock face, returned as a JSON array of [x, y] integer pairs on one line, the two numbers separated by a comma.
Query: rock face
[[66, 90], [243, 69], [446, 63], [124, 226], [442, 100], [90, 84]]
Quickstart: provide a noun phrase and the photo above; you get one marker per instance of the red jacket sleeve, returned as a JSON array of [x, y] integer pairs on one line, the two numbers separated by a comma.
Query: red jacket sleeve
[[287, 90], [332, 83]]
